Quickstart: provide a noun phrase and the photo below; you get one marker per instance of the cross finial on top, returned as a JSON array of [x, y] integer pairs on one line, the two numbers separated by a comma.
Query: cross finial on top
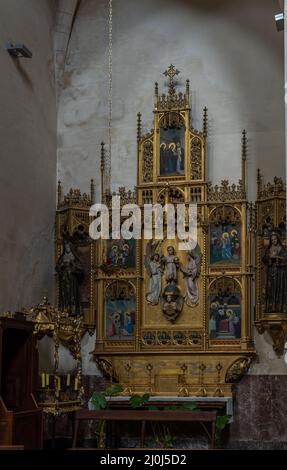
[[171, 72]]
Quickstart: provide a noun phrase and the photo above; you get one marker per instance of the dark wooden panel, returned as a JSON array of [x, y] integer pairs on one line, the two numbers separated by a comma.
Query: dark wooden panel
[[28, 429], [21, 421]]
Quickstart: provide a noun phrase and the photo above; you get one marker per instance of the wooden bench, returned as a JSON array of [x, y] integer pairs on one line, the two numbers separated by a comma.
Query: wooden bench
[[146, 415]]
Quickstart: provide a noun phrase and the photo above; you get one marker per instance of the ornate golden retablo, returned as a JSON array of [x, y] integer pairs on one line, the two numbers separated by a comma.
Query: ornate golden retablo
[[170, 321]]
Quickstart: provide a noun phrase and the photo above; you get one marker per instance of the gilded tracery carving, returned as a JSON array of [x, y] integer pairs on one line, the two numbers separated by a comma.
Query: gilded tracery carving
[[171, 195], [196, 158], [75, 197], [147, 161], [225, 192], [172, 120]]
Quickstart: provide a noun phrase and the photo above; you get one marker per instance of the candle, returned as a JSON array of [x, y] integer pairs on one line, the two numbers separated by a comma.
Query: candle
[[47, 380], [43, 380], [68, 380], [76, 383]]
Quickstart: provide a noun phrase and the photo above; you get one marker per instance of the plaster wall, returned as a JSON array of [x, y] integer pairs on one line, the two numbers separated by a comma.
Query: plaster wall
[[232, 54], [28, 154]]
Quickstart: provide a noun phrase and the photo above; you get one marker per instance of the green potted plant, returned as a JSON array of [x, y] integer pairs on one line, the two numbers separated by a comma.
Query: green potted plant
[[100, 401]]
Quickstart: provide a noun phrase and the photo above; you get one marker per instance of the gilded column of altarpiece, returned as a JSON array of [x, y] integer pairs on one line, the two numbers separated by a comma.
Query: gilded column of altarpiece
[[169, 321]]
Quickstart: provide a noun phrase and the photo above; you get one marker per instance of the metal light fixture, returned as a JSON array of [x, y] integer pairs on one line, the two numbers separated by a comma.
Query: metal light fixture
[[19, 50], [279, 19]]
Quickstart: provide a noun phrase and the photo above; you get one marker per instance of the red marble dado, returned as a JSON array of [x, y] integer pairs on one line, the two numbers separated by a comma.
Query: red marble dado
[[260, 410]]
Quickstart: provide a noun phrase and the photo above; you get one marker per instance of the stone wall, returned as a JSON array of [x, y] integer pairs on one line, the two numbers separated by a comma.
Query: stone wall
[[28, 154]]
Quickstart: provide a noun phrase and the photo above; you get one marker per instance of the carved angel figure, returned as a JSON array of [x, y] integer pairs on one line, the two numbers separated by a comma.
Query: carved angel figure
[[191, 272], [153, 264]]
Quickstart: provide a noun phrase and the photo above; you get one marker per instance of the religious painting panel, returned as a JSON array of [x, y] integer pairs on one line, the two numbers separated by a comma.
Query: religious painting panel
[[119, 254], [172, 151], [224, 309], [120, 311], [225, 243]]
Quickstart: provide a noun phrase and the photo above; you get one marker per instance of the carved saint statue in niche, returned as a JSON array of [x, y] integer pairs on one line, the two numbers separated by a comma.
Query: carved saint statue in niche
[[191, 272], [70, 271], [275, 260]]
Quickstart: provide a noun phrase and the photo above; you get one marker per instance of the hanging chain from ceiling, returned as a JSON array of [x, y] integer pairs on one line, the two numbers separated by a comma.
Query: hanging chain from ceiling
[[110, 96]]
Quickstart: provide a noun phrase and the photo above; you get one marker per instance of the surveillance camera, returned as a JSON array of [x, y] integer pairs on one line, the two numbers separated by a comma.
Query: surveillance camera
[[19, 50], [279, 19]]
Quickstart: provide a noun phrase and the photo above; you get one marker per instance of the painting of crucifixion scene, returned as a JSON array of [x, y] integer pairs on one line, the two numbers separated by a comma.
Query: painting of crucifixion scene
[[171, 152], [225, 244]]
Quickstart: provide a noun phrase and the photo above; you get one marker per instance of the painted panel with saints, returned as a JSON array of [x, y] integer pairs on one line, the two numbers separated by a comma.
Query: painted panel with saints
[[225, 310], [120, 309], [120, 254], [225, 243], [172, 151]]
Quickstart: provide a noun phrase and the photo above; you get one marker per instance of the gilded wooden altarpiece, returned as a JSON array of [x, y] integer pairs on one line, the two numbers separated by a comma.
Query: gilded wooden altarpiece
[[175, 322]]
